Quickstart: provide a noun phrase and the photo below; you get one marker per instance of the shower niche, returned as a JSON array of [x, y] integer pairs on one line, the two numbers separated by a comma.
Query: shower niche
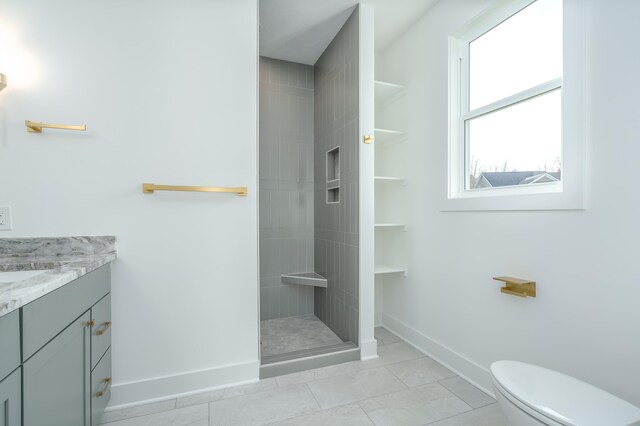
[[309, 121], [333, 176]]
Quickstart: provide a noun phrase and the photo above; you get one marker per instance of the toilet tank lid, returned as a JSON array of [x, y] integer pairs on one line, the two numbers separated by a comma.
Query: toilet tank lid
[[563, 398]]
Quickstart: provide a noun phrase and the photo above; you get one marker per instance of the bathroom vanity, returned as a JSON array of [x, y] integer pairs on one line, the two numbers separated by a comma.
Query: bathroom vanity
[[55, 337]]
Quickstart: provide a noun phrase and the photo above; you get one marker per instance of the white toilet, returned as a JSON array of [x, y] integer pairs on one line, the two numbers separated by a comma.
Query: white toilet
[[532, 395]]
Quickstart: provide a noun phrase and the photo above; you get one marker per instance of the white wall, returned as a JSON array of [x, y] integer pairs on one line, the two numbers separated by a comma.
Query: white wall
[[168, 91], [586, 317]]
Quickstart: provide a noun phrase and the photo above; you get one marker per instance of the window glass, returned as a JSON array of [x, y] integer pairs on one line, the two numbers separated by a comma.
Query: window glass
[[517, 145], [520, 53]]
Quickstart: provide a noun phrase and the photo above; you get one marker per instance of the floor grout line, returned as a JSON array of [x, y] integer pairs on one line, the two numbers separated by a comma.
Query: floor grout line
[[175, 401], [313, 395], [454, 416], [365, 412], [320, 409]]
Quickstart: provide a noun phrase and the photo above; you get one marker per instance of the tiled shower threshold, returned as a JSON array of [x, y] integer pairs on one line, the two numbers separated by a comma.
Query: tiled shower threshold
[[308, 352], [278, 365]]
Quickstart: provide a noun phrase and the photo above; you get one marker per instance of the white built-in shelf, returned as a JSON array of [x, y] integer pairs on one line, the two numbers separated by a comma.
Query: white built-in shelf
[[384, 269], [389, 179], [386, 136], [389, 225], [387, 92]]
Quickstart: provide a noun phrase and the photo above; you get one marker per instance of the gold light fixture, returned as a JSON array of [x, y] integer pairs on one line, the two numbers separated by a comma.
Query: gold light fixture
[[3, 81]]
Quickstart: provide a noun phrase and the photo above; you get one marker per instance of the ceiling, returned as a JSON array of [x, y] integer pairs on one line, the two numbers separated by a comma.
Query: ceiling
[[300, 30]]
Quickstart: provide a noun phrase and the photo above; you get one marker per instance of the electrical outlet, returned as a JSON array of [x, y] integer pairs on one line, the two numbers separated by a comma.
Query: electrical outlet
[[5, 218]]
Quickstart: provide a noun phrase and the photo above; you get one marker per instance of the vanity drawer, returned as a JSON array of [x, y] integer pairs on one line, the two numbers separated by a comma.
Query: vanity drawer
[[9, 343], [101, 329], [43, 318], [100, 387]]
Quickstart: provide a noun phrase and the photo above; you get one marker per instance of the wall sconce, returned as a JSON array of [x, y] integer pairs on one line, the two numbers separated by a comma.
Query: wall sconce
[[3, 81]]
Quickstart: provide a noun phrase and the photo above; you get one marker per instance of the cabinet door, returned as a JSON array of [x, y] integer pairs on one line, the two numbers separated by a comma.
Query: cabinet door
[[9, 343], [56, 382], [10, 404]]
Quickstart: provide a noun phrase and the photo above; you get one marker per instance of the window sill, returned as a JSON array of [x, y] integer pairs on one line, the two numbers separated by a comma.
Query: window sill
[[513, 202]]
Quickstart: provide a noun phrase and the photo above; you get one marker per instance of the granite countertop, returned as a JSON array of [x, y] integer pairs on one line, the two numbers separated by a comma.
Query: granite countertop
[[62, 260]]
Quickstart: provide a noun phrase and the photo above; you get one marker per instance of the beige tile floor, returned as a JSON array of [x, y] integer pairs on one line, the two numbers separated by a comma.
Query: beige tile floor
[[401, 387]]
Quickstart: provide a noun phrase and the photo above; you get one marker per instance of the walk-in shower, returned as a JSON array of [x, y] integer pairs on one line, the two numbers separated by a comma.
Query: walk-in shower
[[309, 185]]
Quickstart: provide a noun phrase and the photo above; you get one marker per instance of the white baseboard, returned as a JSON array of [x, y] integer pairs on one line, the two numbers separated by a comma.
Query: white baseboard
[[377, 319], [368, 350], [458, 363], [130, 394]]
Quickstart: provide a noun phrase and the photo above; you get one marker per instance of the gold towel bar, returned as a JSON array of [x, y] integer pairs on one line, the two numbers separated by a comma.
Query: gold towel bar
[[517, 287], [36, 127], [148, 188]]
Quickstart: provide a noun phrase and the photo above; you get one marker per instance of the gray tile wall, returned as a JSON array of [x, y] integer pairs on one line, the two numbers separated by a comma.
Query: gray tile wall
[[286, 186], [336, 225]]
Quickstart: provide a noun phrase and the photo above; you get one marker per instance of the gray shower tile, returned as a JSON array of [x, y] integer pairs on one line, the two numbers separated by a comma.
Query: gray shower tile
[[299, 94], [273, 281], [272, 302], [283, 301], [270, 256], [309, 113], [264, 315]]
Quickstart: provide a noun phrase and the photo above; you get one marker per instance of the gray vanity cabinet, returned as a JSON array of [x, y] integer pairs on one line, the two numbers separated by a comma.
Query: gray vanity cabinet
[[10, 394], [10, 400], [66, 360], [56, 383]]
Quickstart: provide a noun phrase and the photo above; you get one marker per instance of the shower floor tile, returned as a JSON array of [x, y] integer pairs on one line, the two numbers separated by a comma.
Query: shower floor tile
[[293, 334]]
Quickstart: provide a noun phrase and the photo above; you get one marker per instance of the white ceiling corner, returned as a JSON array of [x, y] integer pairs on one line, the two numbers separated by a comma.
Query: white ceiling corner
[[300, 30]]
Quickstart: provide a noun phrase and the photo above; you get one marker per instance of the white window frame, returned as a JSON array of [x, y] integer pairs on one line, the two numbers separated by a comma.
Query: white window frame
[[568, 194]]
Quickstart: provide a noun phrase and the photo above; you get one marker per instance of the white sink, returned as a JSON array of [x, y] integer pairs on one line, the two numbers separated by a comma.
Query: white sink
[[11, 276]]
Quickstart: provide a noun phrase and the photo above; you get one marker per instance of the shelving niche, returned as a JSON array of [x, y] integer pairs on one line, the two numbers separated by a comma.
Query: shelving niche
[[390, 185]]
